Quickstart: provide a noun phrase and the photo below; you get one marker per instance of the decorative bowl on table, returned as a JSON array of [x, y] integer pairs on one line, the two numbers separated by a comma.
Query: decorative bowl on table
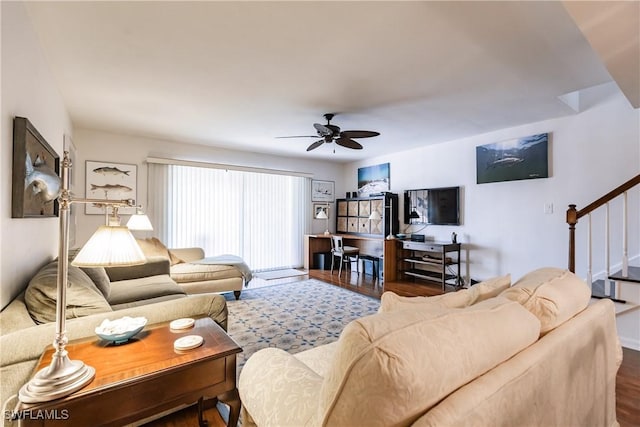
[[120, 330]]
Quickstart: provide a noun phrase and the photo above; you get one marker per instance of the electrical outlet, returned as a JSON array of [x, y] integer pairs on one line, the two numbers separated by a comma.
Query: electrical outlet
[[548, 208]]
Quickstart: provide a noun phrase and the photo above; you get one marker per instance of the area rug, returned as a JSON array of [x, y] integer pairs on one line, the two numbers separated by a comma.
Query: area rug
[[279, 274], [293, 316]]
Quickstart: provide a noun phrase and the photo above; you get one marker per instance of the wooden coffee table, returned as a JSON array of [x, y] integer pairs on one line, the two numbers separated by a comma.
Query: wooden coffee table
[[144, 377]]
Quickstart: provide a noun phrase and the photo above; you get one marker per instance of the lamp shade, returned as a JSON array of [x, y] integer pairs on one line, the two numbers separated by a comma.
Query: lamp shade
[[110, 246], [140, 222], [375, 215], [414, 215], [321, 214]]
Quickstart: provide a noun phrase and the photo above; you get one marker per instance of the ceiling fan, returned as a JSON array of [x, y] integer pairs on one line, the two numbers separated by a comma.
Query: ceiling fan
[[330, 133]]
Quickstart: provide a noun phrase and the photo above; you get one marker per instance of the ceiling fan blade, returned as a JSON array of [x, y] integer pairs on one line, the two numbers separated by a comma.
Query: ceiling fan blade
[[358, 133], [349, 143], [315, 145], [299, 136], [322, 129]]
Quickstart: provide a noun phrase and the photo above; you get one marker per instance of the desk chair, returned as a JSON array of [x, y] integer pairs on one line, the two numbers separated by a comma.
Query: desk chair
[[345, 253]]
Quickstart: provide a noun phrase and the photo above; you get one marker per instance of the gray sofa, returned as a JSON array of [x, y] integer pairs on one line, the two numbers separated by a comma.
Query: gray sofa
[[27, 324]]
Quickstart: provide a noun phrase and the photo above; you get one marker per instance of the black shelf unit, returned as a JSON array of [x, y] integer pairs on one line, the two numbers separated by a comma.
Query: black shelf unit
[[353, 215]]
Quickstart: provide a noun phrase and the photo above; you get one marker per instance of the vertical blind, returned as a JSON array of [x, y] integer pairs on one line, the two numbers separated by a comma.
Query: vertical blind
[[258, 216]]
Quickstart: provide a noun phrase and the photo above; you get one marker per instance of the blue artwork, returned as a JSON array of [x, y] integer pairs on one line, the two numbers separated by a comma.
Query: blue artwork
[[373, 180], [515, 159]]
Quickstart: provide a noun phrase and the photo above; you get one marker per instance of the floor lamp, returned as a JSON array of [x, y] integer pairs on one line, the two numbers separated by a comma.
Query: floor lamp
[[390, 236], [110, 245]]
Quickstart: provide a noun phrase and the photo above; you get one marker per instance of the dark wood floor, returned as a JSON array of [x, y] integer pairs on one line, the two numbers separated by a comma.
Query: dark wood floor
[[627, 381]]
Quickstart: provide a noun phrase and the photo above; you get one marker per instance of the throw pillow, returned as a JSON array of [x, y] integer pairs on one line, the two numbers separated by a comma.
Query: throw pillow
[[153, 247], [460, 299], [83, 297], [553, 295], [489, 288], [97, 274], [392, 357], [99, 277]]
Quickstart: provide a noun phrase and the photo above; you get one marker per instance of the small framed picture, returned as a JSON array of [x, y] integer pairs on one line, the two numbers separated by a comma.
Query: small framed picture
[[319, 209], [114, 181], [322, 191]]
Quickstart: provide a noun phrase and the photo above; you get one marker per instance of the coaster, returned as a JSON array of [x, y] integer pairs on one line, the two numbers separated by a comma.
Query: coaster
[[185, 323], [189, 342]]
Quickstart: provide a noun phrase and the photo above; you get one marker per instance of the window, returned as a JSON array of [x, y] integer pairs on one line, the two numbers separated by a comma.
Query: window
[[258, 216]]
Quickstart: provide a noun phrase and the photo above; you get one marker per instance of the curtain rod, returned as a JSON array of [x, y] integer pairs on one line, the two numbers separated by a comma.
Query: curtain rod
[[161, 161]]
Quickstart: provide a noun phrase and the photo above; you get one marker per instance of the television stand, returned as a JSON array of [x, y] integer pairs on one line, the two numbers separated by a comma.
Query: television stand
[[434, 262]]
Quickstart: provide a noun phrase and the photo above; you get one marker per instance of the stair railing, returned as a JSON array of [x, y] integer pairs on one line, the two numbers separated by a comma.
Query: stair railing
[[573, 215]]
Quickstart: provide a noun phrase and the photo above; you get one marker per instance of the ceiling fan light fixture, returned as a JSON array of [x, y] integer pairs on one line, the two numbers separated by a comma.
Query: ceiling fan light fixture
[[330, 133]]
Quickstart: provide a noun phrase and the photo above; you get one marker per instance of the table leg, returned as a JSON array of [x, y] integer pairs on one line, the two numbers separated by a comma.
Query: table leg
[[201, 421], [232, 398]]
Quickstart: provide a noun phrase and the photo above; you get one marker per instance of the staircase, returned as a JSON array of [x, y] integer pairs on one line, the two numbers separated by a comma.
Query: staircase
[[623, 286]]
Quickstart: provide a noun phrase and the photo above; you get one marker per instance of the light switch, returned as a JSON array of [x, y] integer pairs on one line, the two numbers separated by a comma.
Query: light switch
[[548, 208]]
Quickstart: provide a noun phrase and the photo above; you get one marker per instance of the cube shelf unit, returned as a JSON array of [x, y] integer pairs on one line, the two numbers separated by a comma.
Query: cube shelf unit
[[353, 215]]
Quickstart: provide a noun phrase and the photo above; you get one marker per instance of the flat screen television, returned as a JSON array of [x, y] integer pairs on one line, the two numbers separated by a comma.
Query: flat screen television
[[435, 206]]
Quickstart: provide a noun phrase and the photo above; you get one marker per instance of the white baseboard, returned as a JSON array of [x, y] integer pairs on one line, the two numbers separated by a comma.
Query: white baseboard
[[634, 260], [630, 343]]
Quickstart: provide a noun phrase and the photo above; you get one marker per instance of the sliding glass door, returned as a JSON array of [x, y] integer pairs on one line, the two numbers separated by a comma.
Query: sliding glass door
[[255, 215]]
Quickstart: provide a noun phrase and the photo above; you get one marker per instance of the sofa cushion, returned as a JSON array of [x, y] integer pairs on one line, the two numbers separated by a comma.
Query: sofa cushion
[[155, 266], [462, 298], [83, 297], [144, 288], [188, 272], [553, 295], [153, 247], [384, 361], [99, 277]]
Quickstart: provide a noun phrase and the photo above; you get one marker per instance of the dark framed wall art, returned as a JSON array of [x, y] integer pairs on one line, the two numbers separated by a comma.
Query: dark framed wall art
[[36, 171], [514, 159]]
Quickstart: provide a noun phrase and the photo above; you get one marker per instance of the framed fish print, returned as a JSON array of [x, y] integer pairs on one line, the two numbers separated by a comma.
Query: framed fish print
[[115, 181]]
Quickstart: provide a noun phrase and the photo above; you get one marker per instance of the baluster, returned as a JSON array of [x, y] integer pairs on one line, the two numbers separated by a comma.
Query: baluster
[[589, 254], [607, 256], [625, 237]]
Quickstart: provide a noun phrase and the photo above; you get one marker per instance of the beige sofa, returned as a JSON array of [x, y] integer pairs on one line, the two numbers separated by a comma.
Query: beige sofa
[[197, 274], [533, 354], [27, 323]]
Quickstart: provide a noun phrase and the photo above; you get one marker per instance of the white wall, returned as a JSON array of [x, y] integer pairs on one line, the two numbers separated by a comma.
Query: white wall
[[28, 90], [110, 147], [505, 229]]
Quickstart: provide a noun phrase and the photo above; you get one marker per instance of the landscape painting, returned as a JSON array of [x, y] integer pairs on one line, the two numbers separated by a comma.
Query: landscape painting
[[373, 180], [114, 181], [516, 159]]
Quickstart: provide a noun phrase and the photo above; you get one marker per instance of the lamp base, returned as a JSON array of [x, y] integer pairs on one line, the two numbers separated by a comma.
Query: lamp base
[[327, 233], [391, 237], [61, 378]]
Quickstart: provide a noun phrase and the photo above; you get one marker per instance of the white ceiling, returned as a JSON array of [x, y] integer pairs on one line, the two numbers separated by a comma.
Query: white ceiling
[[238, 74]]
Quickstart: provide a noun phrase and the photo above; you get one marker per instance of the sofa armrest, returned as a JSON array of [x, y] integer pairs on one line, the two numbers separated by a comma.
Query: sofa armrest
[[188, 254], [278, 389], [155, 266]]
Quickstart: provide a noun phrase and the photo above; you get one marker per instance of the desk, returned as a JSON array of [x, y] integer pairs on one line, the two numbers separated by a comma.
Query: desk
[[375, 246], [144, 377]]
